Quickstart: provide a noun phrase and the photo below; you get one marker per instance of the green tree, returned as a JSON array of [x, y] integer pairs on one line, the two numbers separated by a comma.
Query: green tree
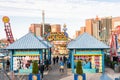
[[35, 69], [79, 68]]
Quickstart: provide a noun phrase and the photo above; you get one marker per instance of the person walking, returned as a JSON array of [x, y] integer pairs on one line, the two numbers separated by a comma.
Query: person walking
[[41, 68], [61, 66], [47, 64], [57, 59], [64, 59], [7, 65], [61, 58], [54, 60]]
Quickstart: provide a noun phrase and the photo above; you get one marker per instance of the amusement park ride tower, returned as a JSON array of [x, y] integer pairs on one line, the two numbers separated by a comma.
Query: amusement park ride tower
[[8, 30]]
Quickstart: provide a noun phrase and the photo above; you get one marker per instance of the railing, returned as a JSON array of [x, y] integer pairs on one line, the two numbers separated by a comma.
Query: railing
[[4, 75]]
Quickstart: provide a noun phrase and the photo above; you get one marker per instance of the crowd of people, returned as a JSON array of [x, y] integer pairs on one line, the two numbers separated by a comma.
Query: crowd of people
[[61, 60], [45, 65], [58, 59]]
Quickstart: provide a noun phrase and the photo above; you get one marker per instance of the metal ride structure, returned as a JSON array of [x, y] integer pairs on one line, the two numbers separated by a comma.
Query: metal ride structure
[[114, 42], [8, 30]]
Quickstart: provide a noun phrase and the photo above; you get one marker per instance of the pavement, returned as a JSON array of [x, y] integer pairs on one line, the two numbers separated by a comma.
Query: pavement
[[54, 74], [110, 72]]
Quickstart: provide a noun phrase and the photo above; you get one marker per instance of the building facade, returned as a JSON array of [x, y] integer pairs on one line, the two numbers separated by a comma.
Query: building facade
[[55, 28], [106, 26], [82, 30], [96, 29], [78, 33], [89, 26], [115, 23], [37, 29], [100, 28]]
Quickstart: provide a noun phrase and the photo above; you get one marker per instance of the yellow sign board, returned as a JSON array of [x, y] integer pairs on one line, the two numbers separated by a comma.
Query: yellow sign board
[[57, 36], [5, 19]]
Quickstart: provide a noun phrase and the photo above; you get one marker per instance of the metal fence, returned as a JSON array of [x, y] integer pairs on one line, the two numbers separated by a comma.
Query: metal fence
[[4, 75]]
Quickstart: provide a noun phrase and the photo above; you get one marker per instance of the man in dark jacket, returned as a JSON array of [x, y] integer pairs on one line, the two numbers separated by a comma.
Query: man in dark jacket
[[41, 69], [8, 65], [57, 59], [47, 64], [54, 60]]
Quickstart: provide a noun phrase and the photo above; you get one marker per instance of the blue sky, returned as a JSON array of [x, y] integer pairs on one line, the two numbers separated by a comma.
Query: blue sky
[[73, 13]]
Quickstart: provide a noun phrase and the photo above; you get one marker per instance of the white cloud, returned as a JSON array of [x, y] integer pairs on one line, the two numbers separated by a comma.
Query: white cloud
[[59, 9], [74, 12]]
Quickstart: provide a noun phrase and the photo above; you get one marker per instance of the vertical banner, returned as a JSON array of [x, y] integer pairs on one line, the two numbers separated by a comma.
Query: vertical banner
[[113, 49], [116, 41]]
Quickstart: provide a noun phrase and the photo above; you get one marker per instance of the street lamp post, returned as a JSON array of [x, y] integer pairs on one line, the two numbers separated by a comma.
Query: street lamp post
[[43, 35], [43, 25], [104, 32]]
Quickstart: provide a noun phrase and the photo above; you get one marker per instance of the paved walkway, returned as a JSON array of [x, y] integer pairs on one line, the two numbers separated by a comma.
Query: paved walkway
[[111, 73], [54, 74]]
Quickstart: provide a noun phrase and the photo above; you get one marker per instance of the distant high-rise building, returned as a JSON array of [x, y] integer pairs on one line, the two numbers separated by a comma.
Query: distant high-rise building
[[37, 29], [82, 30], [97, 28], [47, 28], [55, 28], [89, 26], [77, 33], [115, 23], [106, 26]]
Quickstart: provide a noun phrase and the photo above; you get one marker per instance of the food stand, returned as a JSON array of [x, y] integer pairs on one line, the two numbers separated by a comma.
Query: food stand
[[90, 51], [25, 50]]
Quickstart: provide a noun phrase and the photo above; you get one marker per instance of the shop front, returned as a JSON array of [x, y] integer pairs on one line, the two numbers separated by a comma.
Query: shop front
[[26, 50], [2, 62], [92, 60], [22, 60], [89, 51]]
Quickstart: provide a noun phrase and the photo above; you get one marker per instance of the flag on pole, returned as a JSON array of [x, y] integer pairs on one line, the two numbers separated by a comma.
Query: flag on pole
[[113, 50]]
